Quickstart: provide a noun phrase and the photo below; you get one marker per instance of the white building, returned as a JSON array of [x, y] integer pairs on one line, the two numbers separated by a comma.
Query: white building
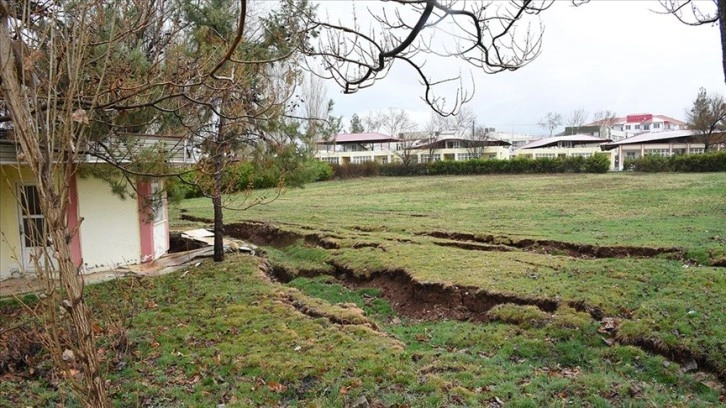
[[637, 123], [564, 146], [663, 144], [420, 147]]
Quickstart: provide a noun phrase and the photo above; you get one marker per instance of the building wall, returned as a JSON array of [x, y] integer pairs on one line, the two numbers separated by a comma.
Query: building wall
[[554, 152], [382, 157], [9, 225], [634, 151], [110, 229]]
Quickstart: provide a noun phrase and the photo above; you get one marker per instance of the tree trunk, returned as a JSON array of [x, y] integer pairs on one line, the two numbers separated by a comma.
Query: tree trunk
[[50, 182], [218, 226], [218, 168]]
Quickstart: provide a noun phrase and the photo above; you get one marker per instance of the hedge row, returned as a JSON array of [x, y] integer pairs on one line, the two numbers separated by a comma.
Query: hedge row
[[246, 175], [598, 163], [714, 161]]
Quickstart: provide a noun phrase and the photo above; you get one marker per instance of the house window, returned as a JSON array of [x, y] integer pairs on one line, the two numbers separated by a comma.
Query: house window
[[34, 227], [331, 160], [631, 155], [627, 127], [696, 150], [637, 127], [360, 159], [466, 156], [425, 158], [581, 154], [646, 127], [545, 156], [656, 125], [657, 152]]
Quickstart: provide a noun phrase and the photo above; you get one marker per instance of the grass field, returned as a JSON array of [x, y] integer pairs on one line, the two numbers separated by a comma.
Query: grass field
[[441, 291]]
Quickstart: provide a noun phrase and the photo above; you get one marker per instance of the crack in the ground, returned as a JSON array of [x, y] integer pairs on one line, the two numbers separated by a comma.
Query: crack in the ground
[[431, 301], [463, 240], [435, 301]]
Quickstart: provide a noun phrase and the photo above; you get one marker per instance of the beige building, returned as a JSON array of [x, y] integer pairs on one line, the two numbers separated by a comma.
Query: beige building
[[662, 144], [357, 148], [565, 146], [111, 231], [367, 147]]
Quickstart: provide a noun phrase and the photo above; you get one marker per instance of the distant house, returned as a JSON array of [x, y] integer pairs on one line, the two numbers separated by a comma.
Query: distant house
[[358, 148], [564, 146], [113, 232], [662, 144], [455, 146], [633, 124], [420, 146]]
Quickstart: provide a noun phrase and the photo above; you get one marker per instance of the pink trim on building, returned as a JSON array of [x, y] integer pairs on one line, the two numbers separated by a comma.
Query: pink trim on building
[[146, 221]]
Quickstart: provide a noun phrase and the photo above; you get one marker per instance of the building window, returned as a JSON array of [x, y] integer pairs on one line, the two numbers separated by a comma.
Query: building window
[[656, 125], [637, 127], [696, 150], [361, 159], [627, 127], [545, 155], [331, 160], [425, 158], [631, 155], [657, 152], [466, 156], [646, 127], [581, 154]]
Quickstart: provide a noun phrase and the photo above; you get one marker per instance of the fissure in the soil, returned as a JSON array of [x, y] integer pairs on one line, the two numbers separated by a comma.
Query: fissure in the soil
[[437, 301]]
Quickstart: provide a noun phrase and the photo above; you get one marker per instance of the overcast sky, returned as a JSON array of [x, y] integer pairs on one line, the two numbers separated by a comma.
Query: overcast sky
[[607, 54]]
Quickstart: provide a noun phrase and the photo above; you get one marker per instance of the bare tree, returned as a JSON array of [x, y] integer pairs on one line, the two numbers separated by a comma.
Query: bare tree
[[315, 107], [551, 121], [695, 13], [76, 74], [397, 123], [492, 36], [392, 121], [477, 141], [605, 119], [432, 130], [707, 118], [576, 119]]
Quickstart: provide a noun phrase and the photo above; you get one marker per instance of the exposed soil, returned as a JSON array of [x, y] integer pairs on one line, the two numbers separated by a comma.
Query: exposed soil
[[431, 301], [436, 301], [551, 246], [474, 247]]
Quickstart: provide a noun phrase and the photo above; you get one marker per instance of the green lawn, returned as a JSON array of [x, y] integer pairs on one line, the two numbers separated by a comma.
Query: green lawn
[[686, 210], [225, 333]]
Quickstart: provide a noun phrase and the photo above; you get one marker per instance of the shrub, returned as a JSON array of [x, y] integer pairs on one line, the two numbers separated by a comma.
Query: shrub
[[355, 170], [713, 161], [396, 170]]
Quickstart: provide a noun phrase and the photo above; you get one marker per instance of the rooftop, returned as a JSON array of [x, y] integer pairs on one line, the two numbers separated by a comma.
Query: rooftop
[[370, 137], [556, 139]]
